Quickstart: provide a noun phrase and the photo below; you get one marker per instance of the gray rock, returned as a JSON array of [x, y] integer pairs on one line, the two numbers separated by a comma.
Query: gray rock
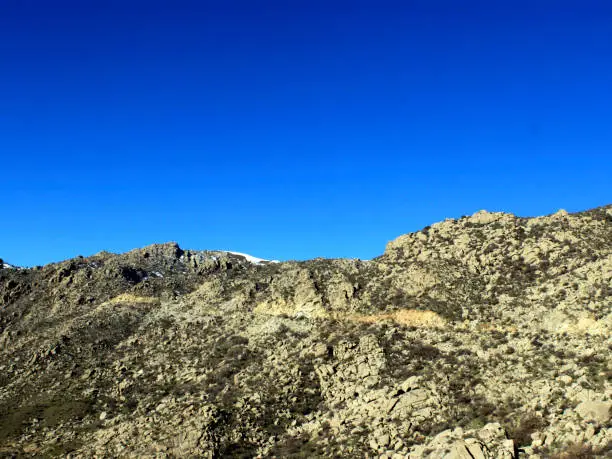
[[595, 411]]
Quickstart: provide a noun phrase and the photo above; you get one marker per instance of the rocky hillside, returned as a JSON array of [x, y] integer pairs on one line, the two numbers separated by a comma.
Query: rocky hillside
[[481, 337]]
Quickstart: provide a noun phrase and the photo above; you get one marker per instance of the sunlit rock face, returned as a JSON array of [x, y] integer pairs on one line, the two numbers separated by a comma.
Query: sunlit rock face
[[483, 336]]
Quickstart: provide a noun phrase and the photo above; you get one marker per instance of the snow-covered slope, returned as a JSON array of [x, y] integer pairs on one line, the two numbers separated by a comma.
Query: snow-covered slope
[[251, 258]]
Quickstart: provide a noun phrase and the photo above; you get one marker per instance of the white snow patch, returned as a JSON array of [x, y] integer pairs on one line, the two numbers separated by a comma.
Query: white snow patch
[[251, 258], [7, 266], [158, 274]]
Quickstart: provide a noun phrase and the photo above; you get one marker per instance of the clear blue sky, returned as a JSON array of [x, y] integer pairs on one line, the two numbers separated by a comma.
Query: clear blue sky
[[293, 129]]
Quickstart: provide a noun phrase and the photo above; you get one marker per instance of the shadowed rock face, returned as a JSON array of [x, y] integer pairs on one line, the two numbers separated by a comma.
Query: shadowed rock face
[[485, 336]]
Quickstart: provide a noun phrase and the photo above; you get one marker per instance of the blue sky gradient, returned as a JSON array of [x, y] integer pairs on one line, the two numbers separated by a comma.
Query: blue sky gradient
[[292, 130]]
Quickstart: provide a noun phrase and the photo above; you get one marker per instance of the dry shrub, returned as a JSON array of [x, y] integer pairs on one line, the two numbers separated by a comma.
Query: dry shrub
[[129, 298], [521, 431]]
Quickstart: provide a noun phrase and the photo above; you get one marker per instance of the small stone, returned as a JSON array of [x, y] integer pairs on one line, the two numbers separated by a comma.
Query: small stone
[[589, 432], [383, 440], [103, 416], [565, 379]]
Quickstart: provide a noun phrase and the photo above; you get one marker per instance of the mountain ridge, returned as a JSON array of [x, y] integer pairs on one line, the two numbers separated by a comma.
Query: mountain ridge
[[485, 335], [602, 208]]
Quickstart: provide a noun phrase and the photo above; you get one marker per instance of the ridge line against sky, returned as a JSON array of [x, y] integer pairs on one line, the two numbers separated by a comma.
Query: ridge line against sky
[[292, 130]]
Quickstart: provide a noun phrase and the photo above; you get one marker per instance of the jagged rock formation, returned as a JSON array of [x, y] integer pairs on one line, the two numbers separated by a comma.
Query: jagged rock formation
[[482, 337]]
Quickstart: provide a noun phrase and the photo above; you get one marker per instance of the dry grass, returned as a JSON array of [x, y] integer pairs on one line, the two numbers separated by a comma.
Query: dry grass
[[281, 307], [407, 317]]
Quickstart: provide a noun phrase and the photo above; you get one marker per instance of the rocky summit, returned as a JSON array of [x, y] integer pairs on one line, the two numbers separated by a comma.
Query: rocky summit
[[486, 336]]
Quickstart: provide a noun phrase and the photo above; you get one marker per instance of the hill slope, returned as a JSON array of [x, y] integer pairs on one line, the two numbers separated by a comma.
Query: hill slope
[[485, 336]]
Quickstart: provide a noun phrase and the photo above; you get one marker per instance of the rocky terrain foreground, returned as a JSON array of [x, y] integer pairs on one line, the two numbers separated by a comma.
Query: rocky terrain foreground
[[481, 337]]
